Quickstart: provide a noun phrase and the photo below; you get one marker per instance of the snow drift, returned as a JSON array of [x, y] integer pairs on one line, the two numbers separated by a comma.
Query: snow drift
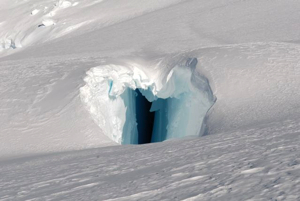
[[133, 105]]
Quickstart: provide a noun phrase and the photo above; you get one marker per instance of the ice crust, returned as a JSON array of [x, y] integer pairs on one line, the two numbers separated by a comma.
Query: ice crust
[[180, 98]]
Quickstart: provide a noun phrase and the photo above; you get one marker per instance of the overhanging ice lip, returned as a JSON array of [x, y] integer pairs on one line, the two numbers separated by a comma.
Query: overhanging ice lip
[[180, 97]]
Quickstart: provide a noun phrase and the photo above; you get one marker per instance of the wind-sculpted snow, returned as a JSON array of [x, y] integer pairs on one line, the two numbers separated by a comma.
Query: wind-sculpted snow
[[42, 21], [255, 84], [180, 99], [41, 110], [261, 164]]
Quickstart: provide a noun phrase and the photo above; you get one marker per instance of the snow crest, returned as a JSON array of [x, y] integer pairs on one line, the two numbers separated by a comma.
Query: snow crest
[[109, 95]]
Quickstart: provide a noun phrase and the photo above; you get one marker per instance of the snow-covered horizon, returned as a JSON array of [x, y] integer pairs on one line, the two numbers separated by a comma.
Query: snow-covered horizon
[[70, 71]]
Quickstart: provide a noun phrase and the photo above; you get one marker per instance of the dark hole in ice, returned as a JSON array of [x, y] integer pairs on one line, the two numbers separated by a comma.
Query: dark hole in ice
[[151, 119], [179, 113], [144, 118], [139, 110]]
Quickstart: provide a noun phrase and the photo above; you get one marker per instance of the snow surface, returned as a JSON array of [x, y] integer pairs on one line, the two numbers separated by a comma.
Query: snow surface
[[248, 50], [256, 164], [41, 110]]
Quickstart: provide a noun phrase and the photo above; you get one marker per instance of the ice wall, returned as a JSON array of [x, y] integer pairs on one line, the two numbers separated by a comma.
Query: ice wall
[[180, 99]]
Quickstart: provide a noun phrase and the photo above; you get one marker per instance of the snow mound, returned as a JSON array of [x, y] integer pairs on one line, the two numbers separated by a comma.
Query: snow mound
[[35, 11], [47, 22], [180, 99], [63, 4]]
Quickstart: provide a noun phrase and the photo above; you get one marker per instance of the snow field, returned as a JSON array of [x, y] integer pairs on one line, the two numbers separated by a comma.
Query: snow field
[[247, 50], [256, 164]]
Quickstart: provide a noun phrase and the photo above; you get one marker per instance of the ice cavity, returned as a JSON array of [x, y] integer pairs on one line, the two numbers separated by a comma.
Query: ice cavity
[[119, 98]]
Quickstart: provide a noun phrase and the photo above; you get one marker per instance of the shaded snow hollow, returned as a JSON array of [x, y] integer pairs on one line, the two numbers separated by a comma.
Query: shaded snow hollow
[[133, 106]]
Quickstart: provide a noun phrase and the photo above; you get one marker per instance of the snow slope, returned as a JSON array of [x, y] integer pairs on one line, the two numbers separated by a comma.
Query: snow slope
[[255, 84], [257, 164], [34, 22], [41, 109], [248, 50], [172, 26], [40, 81]]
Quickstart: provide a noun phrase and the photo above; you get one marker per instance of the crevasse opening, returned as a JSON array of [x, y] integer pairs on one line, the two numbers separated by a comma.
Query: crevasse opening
[[144, 118], [150, 117], [134, 106]]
